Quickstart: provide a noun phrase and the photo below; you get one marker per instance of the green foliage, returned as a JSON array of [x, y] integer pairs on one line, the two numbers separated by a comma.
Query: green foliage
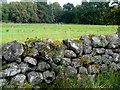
[[94, 13], [26, 85]]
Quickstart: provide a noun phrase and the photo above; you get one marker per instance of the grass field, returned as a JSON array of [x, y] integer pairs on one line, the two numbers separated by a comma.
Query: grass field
[[20, 32]]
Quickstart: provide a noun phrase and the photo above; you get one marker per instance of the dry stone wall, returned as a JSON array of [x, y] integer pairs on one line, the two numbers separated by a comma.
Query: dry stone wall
[[89, 56]]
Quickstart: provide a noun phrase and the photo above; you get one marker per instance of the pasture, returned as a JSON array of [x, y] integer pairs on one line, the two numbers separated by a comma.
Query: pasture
[[20, 32]]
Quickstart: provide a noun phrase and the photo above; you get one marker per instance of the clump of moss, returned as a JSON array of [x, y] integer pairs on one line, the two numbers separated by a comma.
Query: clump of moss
[[97, 65], [4, 67], [83, 76], [91, 35], [26, 85], [78, 41]]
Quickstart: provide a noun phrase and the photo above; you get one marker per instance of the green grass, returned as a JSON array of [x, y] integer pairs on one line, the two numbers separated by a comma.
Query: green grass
[[20, 32]]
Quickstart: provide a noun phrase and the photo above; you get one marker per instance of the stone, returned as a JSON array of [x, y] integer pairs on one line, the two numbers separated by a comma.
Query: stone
[[106, 59], [57, 60], [108, 52], [92, 69], [116, 57], [65, 61], [76, 63], [72, 45], [97, 59], [99, 50], [24, 67], [113, 41], [113, 67], [69, 54], [87, 49], [12, 50], [104, 68], [99, 41], [96, 42], [83, 70], [30, 60], [3, 82], [42, 66], [18, 79], [49, 76], [34, 77], [70, 71], [9, 72], [84, 37]]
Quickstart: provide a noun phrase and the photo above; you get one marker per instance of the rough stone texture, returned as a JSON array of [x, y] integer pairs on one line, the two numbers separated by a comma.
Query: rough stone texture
[[42, 66], [94, 55], [69, 54], [18, 79], [113, 41], [49, 76], [24, 67], [70, 71], [12, 50], [30, 60], [83, 70], [34, 77], [92, 69], [104, 68], [72, 45]]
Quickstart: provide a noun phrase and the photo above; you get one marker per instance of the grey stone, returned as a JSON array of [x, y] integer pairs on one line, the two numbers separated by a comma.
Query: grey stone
[[87, 49], [72, 45], [3, 82], [9, 72], [97, 59], [69, 54], [92, 69], [83, 70], [24, 67], [18, 79], [104, 68], [96, 42], [99, 50], [57, 60], [48, 40], [70, 71], [108, 52], [106, 59], [84, 37], [116, 57], [30, 60], [76, 63], [34, 77], [113, 41], [66, 61], [99, 41], [49, 76], [113, 67], [42, 66], [12, 50]]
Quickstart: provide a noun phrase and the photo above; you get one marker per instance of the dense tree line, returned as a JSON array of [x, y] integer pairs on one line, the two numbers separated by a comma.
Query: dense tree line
[[41, 12]]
